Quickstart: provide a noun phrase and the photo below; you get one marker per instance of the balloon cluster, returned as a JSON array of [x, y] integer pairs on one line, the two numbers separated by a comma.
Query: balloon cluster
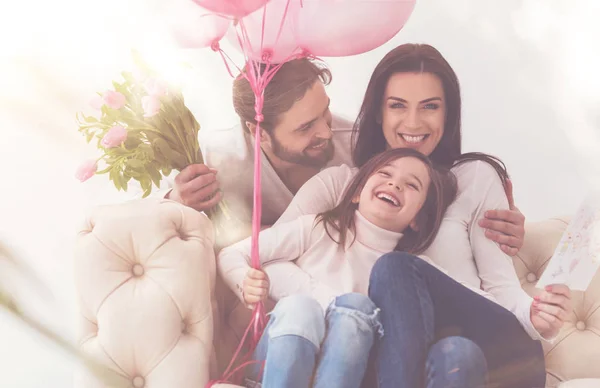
[[275, 30]]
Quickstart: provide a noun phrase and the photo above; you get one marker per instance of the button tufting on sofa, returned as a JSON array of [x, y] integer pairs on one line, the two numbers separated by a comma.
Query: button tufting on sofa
[[580, 326], [138, 270], [138, 382], [531, 278], [141, 316]]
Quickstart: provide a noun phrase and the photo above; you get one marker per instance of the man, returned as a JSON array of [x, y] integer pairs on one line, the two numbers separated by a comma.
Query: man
[[299, 138]]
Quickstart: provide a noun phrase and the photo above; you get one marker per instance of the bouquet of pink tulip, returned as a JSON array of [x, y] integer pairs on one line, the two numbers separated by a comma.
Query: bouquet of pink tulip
[[144, 132]]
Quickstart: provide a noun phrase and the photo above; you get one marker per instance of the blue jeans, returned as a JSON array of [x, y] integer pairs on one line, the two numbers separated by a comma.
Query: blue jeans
[[303, 347], [439, 333]]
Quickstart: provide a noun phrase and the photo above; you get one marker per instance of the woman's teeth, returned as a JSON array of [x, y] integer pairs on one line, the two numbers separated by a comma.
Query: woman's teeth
[[413, 139]]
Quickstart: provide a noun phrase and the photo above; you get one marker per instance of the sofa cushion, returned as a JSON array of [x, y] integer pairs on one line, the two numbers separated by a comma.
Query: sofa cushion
[[145, 271]]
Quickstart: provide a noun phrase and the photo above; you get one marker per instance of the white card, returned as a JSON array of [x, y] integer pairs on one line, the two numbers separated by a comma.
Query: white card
[[577, 256]]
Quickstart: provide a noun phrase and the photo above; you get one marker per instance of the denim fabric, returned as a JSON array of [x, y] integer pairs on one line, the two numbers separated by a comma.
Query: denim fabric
[[303, 347], [420, 306]]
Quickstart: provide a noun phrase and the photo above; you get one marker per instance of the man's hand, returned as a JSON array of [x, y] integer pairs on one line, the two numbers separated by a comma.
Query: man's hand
[[196, 186], [551, 309], [506, 227], [256, 287]]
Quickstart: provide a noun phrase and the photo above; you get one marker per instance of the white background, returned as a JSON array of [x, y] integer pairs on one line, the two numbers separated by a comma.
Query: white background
[[528, 71]]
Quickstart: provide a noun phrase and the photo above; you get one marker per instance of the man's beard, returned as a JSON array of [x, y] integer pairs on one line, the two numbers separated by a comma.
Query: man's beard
[[303, 158]]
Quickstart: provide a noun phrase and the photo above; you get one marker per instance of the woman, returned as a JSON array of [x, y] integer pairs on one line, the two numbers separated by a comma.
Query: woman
[[438, 332]]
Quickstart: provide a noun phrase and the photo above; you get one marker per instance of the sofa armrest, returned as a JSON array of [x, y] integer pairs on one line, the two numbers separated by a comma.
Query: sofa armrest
[[145, 276]]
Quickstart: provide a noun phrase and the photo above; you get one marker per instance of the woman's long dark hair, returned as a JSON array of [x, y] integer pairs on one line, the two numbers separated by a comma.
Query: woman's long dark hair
[[441, 193], [367, 137]]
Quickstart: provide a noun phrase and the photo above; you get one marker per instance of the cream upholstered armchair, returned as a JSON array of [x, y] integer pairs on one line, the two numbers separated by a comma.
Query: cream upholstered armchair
[[153, 310]]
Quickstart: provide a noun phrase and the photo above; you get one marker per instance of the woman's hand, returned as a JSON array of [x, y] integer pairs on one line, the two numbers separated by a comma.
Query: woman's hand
[[506, 227], [256, 287], [551, 309]]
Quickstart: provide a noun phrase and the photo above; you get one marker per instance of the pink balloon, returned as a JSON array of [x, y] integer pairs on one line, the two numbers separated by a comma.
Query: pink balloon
[[235, 8], [276, 46], [333, 28], [193, 26]]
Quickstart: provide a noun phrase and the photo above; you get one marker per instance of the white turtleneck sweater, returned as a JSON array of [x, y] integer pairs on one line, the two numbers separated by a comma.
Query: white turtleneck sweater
[[460, 247], [332, 270]]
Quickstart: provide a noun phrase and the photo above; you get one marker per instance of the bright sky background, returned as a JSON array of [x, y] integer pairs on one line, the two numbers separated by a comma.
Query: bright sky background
[[528, 71]]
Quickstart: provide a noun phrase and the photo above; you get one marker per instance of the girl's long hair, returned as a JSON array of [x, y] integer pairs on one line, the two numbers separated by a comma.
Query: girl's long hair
[[441, 193]]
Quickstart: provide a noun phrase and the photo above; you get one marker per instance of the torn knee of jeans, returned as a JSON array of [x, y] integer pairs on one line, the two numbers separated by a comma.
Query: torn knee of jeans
[[372, 320]]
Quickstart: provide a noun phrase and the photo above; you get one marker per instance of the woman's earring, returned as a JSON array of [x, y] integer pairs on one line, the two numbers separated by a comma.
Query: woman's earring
[[355, 199]]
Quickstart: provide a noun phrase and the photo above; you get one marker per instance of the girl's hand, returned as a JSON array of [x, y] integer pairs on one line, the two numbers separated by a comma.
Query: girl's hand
[[551, 309], [256, 286]]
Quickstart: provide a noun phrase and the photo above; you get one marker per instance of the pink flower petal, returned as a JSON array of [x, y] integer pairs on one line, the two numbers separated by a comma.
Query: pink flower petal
[[96, 102], [86, 170], [151, 105], [114, 137], [114, 100], [155, 87]]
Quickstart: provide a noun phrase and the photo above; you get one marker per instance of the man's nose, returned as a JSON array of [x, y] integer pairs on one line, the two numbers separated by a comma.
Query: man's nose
[[323, 130]]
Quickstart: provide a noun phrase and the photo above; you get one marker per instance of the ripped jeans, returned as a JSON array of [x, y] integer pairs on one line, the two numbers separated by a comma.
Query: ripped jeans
[[302, 347]]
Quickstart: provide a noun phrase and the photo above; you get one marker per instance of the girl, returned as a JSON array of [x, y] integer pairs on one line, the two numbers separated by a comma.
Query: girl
[[437, 332], [395, 202]]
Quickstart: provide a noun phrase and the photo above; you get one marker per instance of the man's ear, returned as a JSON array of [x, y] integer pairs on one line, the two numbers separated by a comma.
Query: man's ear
[[265, 139]]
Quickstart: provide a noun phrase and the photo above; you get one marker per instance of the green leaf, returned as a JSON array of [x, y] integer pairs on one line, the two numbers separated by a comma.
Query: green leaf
[[173, 156], [121, 88], [123, 183], [166, 171], [90, 119], [114, 177], [149, 152], [146, 184], [128, 77], [135, 164], [154, 175]]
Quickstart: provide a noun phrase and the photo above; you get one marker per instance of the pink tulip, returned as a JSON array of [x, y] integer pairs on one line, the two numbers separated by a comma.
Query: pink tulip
[[114, 137], [96, 102], [155, 87], [114, 100], [86, 170], [151, 105]]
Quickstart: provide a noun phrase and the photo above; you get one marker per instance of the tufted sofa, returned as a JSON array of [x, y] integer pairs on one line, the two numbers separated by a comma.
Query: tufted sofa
[[153, 309]]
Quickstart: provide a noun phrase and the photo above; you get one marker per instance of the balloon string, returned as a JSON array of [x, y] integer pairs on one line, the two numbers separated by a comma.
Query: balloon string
[[258, 81]]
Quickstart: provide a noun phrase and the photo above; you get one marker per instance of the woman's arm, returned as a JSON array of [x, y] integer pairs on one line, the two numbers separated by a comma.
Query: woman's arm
[[495, 268], [506, 227], [279, 244]]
